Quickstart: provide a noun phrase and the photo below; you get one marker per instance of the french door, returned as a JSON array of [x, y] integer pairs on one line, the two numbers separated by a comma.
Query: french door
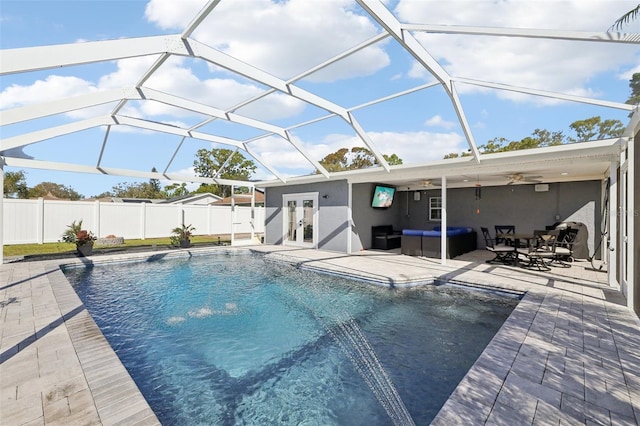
[[300, 219]]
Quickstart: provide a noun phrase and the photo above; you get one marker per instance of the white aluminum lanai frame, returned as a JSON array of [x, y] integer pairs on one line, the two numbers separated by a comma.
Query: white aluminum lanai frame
[[164, 47]]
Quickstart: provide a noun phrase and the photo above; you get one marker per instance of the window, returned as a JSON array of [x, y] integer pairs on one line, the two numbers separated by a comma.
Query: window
[[435, 208]]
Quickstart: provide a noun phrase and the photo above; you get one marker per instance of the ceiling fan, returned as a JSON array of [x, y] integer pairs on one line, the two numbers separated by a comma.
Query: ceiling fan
[[428, 183], [418, 185], [520, 178]]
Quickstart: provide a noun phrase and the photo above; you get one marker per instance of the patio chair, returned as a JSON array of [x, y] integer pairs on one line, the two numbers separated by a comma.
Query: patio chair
[[564, 247], [502, 230], [383, 237], [540, 250], [503, 253]]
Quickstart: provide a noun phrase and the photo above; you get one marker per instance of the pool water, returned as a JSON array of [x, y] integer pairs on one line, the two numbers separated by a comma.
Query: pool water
[[232, 339]]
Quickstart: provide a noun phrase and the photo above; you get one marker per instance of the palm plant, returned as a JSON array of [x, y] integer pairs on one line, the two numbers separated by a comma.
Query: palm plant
[[76, 235], [626, 18], [181, 235]]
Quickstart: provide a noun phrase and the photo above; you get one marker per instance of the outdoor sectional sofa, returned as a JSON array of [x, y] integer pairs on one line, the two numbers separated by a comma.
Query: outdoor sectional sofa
[[418, 242]]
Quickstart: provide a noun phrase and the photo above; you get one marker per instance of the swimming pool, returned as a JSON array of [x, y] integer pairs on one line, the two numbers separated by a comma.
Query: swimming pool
[[229, 338]]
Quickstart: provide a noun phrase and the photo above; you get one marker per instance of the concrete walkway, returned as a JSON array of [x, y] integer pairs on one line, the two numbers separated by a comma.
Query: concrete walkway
[[568, 354]]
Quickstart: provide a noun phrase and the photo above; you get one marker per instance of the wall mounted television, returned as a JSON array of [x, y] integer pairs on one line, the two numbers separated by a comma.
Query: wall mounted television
[[382, 196]]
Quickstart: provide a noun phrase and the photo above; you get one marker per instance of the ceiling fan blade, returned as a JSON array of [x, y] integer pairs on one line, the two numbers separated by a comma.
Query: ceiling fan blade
[[427, 183]]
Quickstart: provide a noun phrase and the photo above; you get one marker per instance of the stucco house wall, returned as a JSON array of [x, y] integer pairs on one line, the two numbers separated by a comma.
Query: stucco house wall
[[364, 216], [333, 202], [518, 205]]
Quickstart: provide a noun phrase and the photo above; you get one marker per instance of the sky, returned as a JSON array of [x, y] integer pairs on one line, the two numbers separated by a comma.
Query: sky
[[284, 38]]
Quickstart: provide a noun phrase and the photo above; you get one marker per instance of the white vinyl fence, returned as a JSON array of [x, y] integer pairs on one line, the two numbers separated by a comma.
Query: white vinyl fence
[[44, 221]]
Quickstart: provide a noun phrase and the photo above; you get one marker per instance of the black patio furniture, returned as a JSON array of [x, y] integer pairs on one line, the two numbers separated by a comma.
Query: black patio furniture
[[564, 247], [504, 253], [501, 233], [383, 237], [540, 250]]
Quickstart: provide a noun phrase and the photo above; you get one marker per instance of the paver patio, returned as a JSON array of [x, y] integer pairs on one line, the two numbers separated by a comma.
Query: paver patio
[[568, 354]]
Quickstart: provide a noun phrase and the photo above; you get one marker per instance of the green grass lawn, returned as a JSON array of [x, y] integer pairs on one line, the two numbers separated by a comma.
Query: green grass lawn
[[60, 247]]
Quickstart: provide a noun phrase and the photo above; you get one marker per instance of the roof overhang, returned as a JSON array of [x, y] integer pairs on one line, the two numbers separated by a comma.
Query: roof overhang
[[563, 163]]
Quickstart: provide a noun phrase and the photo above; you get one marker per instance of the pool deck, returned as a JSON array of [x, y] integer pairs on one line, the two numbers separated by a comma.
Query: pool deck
[[568, 354]]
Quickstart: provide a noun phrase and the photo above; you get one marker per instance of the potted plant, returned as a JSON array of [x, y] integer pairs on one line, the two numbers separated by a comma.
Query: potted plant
[[181, 235], [82, 238]]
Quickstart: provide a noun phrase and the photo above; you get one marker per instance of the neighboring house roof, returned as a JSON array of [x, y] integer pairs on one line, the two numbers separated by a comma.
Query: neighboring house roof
[[197, 199], [202, 198], [240, 199], [102, 199], [126, 200], [137, 200], [51, 197]]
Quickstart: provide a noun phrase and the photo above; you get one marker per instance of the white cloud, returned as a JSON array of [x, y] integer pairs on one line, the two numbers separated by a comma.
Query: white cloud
[[176, 77], [173, 78], [52, 88], [418, 147], [534, 63], [412, 147], [189, 171], [167, 15], [283, 38], [438, 121], [628, 74], [128, 72], [279, 153]]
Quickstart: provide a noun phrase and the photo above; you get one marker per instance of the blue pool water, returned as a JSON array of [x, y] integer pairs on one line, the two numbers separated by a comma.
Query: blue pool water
[[232, 339]]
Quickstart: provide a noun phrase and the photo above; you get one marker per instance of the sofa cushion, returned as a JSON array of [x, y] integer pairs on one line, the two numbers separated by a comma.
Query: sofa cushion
[[415, 232], [458, 229], [450, 233], [382, 230], [433, 233]]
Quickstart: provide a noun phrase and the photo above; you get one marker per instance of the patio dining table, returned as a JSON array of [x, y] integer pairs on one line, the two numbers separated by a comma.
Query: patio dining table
[[516, 238]]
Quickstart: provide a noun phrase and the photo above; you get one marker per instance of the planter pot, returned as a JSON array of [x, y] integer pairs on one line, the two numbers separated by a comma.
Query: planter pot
[[185, 243], [85, 250], [110, 241]]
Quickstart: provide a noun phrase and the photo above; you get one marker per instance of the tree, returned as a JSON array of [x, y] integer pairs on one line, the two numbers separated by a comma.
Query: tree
[[596, 128], [634, 84], [588, 129], [133, 190], [392, 159], [208, 163], [336, 161], [356, 158], [56, 189], [154, 184], [548, 138], [626, 18], [149, 189], [15, 185], [456, 155], [175, 190]]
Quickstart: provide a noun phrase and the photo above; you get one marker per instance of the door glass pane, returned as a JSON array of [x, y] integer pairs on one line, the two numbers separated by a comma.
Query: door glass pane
[[307, 206], [293, 220]]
